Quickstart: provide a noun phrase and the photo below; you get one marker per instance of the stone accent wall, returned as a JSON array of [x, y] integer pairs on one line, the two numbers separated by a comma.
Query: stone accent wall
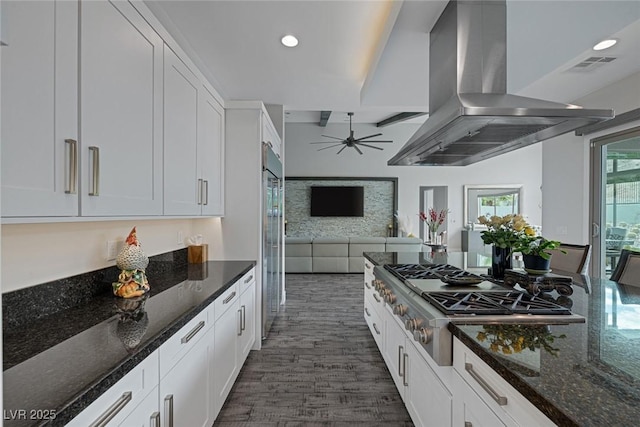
[[379, 200]]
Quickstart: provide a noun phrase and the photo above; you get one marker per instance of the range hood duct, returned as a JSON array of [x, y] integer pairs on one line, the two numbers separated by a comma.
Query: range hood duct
[[472, 118]]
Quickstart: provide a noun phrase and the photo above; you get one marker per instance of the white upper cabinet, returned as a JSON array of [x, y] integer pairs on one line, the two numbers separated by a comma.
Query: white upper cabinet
[[120, 111], [39, 108], [270, 136], [211, 154], [182, 186]]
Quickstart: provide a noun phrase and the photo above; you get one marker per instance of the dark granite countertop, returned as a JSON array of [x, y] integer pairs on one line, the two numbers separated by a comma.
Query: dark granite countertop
[[589, 375], [65, 360]]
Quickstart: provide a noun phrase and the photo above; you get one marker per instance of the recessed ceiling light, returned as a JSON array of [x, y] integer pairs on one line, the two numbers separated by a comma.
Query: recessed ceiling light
[[289, 41], [605, 44]]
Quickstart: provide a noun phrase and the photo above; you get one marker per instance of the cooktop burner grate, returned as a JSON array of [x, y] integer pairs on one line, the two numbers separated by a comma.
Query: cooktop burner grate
[[507, 302], [425, 271]]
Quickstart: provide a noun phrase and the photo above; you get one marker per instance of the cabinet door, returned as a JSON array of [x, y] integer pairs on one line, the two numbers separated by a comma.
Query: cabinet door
[[426, 398], [247, 322], [146, 413], [225, 354], [121, 111], [469, 409], [211, 154], [39, 108], [185, 390], [394, 352], [182, 187]]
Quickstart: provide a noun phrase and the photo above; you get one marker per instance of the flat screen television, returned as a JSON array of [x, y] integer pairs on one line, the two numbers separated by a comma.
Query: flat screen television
[[337, 201]]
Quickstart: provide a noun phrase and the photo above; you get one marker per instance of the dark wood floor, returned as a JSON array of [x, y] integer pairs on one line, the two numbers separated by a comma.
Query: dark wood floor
[[320, 365]]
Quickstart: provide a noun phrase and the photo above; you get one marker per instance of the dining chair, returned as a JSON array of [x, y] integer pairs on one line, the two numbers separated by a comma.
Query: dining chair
[[622, 271], [571, 258]]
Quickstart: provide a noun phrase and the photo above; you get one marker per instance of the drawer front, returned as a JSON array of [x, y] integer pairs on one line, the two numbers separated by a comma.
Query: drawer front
[[175, 347], [495, 391], [228, 299], [123, 397], [247, 280], [375, 323]]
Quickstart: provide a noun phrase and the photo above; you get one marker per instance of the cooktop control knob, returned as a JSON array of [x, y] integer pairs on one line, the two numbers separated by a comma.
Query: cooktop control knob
[[423, 335], [390, 297], [400, 310], [412, 324]]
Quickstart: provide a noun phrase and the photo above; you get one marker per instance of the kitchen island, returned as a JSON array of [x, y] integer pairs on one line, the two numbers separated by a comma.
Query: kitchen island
[[585, 374], [56, 366]]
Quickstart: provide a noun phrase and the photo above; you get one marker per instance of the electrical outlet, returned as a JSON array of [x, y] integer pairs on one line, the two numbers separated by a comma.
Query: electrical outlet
[[112, 250], [180, 238]]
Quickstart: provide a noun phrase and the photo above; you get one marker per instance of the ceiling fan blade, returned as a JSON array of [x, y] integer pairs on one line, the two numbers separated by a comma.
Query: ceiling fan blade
[[340, 151], [367, 145], [357, 149], [334, 137], [383, 141], [370, 136], [323, 142], [331, 146]]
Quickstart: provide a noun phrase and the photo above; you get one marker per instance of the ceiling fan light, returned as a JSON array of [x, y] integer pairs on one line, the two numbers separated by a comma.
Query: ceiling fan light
[[289, 40]]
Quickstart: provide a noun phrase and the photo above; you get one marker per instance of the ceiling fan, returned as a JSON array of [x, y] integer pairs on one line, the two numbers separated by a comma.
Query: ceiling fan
[[350, 141]]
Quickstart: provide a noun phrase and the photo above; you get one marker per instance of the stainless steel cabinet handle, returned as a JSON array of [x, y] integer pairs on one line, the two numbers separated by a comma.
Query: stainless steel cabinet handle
[[206, 192], [248, 279], [200, 191], [243, 322], [405, 359], [72, 167], [376, 328], [168, 410], [113, 410], [185, 339], [240, 325], [501, 400], [367, 284], [229, 298], [95, 186], [376, 298], [400, 351], [366, 310], [155, 419]]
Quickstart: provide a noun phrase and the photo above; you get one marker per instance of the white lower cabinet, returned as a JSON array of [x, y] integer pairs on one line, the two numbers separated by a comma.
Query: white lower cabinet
[[146, 414], [481, 392], [427, 400], [248, 319], [468, 409], [226, 355]]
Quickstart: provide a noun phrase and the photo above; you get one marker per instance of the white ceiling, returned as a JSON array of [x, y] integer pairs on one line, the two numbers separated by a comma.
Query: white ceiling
[[371, 56]]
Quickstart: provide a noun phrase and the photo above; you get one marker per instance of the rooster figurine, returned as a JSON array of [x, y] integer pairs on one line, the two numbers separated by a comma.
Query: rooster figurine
[[132, 281]]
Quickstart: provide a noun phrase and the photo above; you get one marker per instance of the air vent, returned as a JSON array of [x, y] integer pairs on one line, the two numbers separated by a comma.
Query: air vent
[[592, 63]]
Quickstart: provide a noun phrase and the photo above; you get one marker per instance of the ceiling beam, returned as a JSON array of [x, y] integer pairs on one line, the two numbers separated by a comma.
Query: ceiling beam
[[400, 117], [324, 118]]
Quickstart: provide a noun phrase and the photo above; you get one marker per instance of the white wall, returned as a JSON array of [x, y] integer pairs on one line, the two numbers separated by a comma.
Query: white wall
[[37, 253], [566, 169], [518, 167]]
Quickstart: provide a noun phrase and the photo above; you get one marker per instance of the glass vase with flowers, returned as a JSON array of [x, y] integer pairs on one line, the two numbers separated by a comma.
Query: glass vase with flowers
[[503, 232], [433, 219]]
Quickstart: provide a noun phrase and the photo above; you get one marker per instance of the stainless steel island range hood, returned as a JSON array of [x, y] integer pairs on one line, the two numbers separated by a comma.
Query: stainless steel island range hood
[[472, 118]]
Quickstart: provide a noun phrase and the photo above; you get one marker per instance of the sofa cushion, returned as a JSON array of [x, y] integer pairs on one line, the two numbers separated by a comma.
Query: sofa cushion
[[356, 264], [356, 240], [297, 250], [297, 240], [330, 247], [324, 240], [331, 265], [298, 265]]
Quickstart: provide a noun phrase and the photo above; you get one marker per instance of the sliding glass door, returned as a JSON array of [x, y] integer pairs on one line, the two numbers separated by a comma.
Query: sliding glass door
[[615, 197]]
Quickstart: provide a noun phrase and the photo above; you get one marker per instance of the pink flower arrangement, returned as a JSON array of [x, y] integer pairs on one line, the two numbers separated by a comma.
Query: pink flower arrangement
[[434, 219]]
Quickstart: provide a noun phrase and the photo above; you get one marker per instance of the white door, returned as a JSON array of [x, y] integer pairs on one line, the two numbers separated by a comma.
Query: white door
[[182, 189], [247, 322], [615, 197], [211, 154], [428, 401], [39, 108], [224, 363], [185, 390], [121, 111]]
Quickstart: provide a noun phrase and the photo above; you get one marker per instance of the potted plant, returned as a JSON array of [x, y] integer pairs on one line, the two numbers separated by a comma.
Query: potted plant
[[535, 252], [503, 232]]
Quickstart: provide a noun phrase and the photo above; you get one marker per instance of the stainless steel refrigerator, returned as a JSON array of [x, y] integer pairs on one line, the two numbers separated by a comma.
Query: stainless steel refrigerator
[[272, 239]]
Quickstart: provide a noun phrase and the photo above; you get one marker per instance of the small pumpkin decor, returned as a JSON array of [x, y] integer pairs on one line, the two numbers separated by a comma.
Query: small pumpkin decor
[[536, 253], [132, 281]]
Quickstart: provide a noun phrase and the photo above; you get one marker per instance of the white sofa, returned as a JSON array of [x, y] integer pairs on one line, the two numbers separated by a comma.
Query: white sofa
[[340, 254]]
